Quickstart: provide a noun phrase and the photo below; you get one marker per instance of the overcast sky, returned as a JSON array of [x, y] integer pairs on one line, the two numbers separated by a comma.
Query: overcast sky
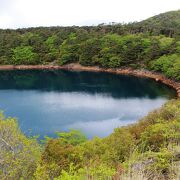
[[31, 13]]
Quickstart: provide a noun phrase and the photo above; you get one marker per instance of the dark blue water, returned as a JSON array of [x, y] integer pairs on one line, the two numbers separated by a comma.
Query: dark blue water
[[48, 101]]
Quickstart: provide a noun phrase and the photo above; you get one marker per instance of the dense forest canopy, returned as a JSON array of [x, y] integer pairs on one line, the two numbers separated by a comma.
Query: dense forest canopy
[[152, 44]]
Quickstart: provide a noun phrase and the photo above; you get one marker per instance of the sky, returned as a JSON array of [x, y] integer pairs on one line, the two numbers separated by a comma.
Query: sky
[[32, 13]]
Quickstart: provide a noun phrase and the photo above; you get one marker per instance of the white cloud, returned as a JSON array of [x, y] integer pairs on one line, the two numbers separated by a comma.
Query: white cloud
[[25, 13], [98, 114]]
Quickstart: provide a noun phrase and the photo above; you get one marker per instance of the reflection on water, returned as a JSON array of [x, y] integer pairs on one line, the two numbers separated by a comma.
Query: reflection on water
[[96, 103]]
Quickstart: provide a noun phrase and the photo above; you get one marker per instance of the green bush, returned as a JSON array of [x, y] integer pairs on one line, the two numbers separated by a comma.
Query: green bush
[[19, 155], [24, 55], [152, 144], [168, 64]]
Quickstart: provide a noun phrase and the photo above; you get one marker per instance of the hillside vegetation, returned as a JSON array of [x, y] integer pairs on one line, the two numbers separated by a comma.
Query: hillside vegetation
[[149, 149], [151, 44]]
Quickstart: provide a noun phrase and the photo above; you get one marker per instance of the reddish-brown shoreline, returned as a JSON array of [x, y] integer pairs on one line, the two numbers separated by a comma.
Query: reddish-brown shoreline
[[125, 71]]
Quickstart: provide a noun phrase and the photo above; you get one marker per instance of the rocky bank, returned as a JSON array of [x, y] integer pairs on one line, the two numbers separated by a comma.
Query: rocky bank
[[125, 71]]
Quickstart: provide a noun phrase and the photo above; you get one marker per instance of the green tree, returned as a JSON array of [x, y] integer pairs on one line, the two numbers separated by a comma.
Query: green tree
[[89, 50], [19, 155], [53, 49], [168, 64], [24, 55], [73, 137], [69, 50]]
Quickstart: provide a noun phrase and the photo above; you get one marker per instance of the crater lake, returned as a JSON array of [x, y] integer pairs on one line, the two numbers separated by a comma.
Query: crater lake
[[47, 101]]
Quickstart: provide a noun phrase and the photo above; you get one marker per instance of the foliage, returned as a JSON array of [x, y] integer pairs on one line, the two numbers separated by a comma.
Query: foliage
[[165, 23], [100, 172], [24, 55], [141, 150], [159, 135], [19, 155], [150, 165], [73, 137], [89, 50], [149, 139], [145, 149], [68, 50], [169, 65], [53, 50], [136, 45], [161, 160]]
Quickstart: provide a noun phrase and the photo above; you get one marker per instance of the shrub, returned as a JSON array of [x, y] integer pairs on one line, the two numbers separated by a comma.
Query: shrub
[[24, 55], [19, 155], [169, 65]]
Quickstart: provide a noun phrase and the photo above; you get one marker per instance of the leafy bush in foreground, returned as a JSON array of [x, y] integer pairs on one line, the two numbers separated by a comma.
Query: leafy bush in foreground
[[145, 145], [149, 149], [19, 155]]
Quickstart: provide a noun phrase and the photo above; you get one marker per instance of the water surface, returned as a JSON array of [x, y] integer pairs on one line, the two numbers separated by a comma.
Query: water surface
[[47, 101]]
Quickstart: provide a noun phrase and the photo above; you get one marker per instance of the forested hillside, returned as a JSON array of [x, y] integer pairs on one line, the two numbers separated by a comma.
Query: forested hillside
[[166, 23], [151, 44]]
